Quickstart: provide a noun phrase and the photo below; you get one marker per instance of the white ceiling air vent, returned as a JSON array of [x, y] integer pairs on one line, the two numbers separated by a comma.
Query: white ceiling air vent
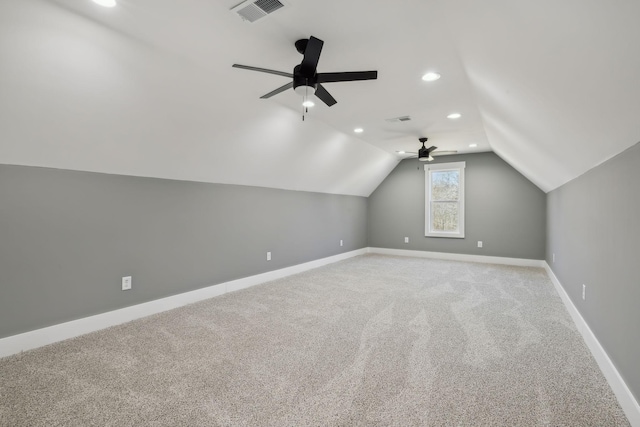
[[252, 10], [399, 119]]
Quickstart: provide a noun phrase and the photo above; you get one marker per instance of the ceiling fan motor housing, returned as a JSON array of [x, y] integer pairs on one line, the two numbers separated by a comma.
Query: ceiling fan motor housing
[[424, 153], [304, 85]]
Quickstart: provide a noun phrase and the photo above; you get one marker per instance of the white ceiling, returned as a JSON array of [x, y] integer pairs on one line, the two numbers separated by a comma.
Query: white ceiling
[[147, 88]]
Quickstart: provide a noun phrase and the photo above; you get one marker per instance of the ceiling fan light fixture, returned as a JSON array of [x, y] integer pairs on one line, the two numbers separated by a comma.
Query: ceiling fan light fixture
[[431, 76], [424, 155], [304, 90], [105, 3]]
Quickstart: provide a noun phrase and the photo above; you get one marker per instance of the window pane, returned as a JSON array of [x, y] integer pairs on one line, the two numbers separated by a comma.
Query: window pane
[[445, 185], [444, 216]]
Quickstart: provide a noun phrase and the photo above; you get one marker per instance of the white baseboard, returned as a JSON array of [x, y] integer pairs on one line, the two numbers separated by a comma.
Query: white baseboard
[[40, 337], [626, 399], [49, 335], [460, 257]]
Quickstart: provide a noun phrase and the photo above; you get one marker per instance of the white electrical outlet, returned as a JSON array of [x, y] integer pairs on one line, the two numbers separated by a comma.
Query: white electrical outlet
[[406, 240], [479, 243], [126, 283], [584, 291], [553, 257], [341, 243], [268, 256]]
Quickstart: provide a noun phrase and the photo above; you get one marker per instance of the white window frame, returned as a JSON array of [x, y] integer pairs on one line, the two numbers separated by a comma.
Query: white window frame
[[458, 166]]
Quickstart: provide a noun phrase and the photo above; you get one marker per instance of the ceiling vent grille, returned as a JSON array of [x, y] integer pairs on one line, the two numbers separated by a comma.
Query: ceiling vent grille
[[252, 10], [399, 119]]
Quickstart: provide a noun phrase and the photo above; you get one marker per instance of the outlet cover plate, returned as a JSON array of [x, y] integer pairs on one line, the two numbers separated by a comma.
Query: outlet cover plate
[[126, 283]]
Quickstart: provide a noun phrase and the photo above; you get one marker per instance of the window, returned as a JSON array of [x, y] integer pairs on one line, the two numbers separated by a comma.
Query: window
[[444, 201]]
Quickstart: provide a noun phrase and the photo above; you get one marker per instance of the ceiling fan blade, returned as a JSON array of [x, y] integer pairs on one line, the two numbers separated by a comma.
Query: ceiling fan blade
[[444, 153], [311, 57], [277, 91], [347, 76], [263, 70], [432, 148], [325, 96]]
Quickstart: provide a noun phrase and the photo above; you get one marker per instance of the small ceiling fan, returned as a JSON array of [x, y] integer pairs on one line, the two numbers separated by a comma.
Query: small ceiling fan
[[305, 80], [425, 154]]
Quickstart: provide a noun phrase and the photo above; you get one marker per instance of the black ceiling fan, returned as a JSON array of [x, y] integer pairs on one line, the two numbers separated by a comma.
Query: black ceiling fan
[[305, 78], [424, 154]]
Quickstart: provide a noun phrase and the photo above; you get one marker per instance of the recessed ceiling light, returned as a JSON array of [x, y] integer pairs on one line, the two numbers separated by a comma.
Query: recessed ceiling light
[[358, 130], [454, 116], [105, 3], [308, 103], [431, 77], [473, 145], [400, 152]]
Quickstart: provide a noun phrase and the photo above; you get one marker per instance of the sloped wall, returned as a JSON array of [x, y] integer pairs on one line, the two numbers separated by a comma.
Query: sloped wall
[[78, 95], [503, 209], [593, 233], [67, 238]]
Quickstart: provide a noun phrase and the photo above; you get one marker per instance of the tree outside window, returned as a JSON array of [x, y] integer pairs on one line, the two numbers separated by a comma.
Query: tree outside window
[[444, 205]]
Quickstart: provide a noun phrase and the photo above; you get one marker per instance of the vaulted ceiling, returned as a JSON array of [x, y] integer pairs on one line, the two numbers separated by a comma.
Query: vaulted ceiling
[[146, 88]]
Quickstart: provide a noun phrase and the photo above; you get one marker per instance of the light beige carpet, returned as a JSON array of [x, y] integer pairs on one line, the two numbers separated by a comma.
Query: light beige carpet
[[373, 340]]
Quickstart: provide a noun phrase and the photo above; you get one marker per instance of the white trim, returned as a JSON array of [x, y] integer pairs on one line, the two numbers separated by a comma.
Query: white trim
[[453, 166], [626, 399], [445, 166], [40, 337], [460, 257], [49, 335]]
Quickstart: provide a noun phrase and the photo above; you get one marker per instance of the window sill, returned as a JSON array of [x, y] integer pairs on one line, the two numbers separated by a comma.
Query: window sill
[[446, 235]]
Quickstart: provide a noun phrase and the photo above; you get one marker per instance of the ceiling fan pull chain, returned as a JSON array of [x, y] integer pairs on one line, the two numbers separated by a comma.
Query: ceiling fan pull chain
[[305, 109]]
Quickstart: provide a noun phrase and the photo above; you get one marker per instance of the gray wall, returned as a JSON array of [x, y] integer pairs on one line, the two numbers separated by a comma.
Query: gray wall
[[502, 209], [67, 238], [594, 232]]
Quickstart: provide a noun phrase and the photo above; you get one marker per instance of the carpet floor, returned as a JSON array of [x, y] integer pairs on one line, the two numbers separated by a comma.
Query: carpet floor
[[371, 341]]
